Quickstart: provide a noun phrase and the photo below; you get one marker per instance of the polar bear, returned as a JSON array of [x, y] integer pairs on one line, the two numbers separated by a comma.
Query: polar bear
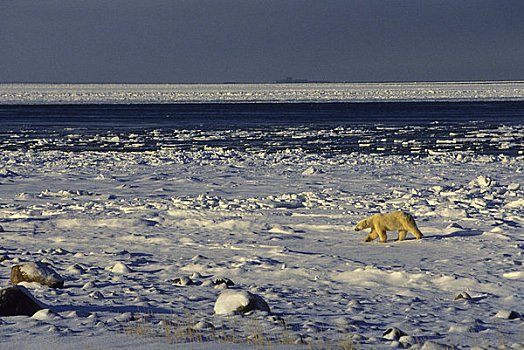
[[380, 223]]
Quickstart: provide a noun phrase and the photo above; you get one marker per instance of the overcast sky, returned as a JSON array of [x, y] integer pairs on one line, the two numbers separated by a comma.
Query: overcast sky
[[259, 40]]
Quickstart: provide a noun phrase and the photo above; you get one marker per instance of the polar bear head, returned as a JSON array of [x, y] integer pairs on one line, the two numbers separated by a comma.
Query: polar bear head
[[366, 223]]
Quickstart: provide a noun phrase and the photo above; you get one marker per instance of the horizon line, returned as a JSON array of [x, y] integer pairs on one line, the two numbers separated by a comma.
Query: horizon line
[[274, 82]]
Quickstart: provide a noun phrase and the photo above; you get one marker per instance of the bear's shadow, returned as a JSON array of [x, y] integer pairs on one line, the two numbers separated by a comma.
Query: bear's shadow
[[460, 233]]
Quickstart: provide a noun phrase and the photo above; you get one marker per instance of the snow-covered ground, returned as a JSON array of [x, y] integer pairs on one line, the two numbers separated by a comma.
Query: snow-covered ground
[[321, 92], [121, 227]]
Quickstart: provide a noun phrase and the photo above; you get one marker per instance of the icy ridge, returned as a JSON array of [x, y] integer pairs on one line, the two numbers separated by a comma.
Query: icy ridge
[[227, 93]]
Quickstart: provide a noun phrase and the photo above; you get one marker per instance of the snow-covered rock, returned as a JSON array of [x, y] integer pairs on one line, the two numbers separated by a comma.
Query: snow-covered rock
[[183, 281], [75, 269], [44, 315], [463, 295], [508, 314], [407, 341], [121, 268], [231, 301], [223, 280], [36, 272], [393, 333], [89, 285]]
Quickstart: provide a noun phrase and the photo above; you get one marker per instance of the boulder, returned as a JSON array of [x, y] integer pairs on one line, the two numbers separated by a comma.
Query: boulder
[[36, 272], [17, 301], [231, 301]]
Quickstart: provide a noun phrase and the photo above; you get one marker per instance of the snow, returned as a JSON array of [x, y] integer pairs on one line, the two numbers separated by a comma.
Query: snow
[[322, 92], [122, 227]]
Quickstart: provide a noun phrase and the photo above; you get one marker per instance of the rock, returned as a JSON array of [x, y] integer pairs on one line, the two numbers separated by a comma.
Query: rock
[[17, 301], [393, 333], [1, 228], [463, 295], [36, 272], [183, 281], [223, 280], [507, 314], [231, 301]]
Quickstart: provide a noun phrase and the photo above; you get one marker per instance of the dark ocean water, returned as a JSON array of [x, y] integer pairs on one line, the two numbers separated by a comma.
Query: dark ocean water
[[383, 128]]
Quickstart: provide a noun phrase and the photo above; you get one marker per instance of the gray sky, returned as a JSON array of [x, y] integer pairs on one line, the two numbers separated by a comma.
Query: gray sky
[[260, 40]]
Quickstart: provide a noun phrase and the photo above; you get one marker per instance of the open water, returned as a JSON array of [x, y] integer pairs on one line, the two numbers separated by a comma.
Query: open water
[[375, 128]]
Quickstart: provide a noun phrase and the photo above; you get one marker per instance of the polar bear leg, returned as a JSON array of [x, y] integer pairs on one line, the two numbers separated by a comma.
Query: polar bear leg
[[383, 236], [411, 226], [371, 236], [381, 230], [416, 232], [402, 234]]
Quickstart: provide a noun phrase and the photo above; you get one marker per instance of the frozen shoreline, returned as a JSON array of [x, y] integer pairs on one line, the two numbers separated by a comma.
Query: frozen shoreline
[[252, 93], [279, 225]]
